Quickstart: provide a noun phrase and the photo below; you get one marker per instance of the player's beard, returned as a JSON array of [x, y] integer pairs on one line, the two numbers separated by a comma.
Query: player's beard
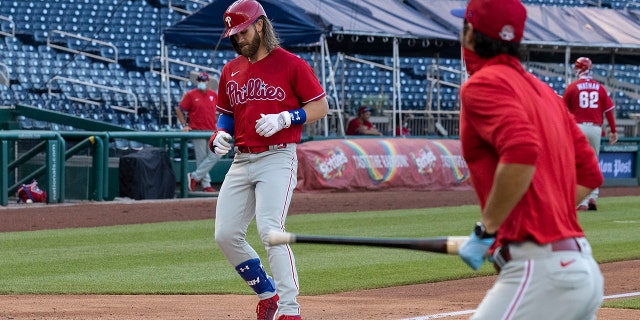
[[251, 50]]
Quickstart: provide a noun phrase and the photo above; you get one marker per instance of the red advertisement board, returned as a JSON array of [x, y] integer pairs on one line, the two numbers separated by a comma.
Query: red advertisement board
[[381, 164]]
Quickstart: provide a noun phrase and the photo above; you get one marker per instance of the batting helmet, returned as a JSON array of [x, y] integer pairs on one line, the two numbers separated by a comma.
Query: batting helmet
[[583, 64], [240, 15]]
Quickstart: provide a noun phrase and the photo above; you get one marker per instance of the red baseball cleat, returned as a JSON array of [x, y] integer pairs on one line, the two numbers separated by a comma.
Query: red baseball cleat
[[208, 189], [592, 205], [582, 207], [193, 184], [267, 308], [285, 317]]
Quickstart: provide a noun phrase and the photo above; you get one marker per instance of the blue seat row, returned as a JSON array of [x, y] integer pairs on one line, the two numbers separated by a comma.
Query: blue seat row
[[134, 27]]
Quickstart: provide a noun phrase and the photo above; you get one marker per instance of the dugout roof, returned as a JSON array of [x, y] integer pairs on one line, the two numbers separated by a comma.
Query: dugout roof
[[348, 25], [203, 29], [422, 28]]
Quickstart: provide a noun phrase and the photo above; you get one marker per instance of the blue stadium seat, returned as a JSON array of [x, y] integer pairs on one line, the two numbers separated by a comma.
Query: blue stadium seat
[[135, 28], [7, 99], [40, 125], [121, 145], [24, 123]]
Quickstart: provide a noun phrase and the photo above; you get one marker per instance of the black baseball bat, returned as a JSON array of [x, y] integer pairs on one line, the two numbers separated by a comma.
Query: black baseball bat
[[448, 245]]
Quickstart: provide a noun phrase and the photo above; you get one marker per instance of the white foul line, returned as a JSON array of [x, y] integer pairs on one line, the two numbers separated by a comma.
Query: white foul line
[[443, 315], [463, 312], [622, 295]]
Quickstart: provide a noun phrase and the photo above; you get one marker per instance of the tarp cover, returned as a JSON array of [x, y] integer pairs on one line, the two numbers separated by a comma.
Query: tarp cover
[[369, 26], [424, 26], [374, 17], [204, 28], [301, 22], [553, 24], [147, 174]]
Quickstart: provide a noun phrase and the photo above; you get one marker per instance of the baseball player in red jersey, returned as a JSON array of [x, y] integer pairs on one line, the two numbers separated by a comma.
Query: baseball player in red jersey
[[588, 100], [529, 162], [200, 105], [265, 96], [361, 125]]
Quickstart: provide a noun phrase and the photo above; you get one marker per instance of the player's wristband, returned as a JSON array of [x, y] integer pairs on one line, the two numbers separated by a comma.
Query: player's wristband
[[298, 116], [225, 123]]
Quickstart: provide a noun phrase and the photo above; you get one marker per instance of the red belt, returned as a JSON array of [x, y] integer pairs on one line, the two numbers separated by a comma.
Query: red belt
[[243, 149], [568, 244]]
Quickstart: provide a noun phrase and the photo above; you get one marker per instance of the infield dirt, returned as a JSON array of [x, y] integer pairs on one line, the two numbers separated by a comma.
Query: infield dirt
[[388, 303]]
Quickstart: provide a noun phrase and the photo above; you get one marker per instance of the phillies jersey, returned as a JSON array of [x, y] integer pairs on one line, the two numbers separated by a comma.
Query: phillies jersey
[[353, 128], [279, 82], [588, 100], [201, 107], [509, 116]]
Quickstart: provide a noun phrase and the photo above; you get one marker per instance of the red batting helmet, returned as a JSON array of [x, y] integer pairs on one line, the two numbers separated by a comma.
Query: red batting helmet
[[240, 15], [583, 64]]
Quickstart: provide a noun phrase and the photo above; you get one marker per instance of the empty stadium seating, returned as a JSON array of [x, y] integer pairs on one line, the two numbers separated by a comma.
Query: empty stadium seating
[[131, 31]]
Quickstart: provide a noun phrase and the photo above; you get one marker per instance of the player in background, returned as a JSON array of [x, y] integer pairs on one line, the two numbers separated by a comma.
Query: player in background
[[402, 125], [200, 106], [529, 163], [266, 94], [361, 125], [588, 100]]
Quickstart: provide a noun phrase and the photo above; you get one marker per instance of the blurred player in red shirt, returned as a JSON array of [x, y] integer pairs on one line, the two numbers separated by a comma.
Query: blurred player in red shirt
[[200, 106], [588, 100], [361, 125], [402, 125], [529, 162]]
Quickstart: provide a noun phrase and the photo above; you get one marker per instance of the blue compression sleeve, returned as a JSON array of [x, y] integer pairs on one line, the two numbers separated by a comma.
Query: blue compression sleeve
[[225, 123], [253, 273], [298, 116]]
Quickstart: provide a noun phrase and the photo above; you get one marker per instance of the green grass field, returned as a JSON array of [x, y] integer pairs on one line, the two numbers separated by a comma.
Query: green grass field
[[182, 258]]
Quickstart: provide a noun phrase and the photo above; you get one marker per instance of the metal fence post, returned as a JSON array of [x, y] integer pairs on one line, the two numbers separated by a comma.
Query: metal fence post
[[4, 172]]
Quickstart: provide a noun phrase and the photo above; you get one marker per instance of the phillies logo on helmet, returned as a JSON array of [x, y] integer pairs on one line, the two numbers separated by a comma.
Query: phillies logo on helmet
[[240, 15], [583, 66]]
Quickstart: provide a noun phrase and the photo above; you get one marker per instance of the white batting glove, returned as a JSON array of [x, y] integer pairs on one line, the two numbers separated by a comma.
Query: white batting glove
[[269, 124], [219, 143]]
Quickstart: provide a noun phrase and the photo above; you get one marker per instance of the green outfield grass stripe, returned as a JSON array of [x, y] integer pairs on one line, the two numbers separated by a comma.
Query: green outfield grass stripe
[[182, 258]]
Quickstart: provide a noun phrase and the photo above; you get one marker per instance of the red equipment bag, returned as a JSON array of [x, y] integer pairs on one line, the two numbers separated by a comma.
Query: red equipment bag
[[31, 192]]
